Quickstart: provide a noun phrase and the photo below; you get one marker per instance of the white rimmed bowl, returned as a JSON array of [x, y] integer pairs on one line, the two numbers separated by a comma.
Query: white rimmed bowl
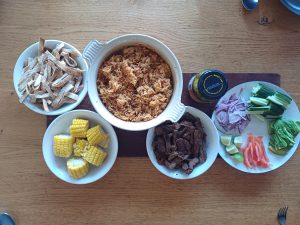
[[95, 53], [212, 148], [58, 166], [32, 51]]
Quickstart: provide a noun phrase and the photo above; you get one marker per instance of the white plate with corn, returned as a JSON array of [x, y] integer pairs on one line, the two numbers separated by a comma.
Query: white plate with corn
[[80, 147]]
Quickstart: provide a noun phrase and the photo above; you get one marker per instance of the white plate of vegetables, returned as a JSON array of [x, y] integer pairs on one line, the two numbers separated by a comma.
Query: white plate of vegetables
[[259, 125]]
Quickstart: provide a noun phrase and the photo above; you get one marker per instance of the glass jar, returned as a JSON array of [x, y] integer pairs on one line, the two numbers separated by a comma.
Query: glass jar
[[208, 86]]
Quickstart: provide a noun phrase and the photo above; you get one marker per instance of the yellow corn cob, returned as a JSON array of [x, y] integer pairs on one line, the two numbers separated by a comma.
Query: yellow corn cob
[[79, 128], [95, 155], [77, 167], [63, 145], [96, 135], [80, 146], [105, 142]]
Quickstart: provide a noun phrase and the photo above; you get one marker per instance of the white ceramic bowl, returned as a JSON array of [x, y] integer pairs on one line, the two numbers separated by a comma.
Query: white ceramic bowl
[[212, 148], [32, 51], [95, 53], [58, 165]]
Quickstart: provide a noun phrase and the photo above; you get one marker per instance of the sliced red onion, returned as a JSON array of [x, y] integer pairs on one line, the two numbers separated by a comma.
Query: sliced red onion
[[231, 113]]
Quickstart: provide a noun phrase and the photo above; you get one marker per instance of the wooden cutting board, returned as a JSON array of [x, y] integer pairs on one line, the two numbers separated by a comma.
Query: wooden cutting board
[[133, 144]]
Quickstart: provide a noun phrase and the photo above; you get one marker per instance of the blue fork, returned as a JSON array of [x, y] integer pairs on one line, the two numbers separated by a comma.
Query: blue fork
[[281, 216]]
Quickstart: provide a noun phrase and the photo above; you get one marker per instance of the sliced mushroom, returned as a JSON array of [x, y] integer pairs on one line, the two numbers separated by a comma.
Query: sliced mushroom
[[60, 82], [69, 60], [63, 66], [45, 105], [56, 51], [72, 96], [38, 81], [78, 82], [74, 54], [41, 46]]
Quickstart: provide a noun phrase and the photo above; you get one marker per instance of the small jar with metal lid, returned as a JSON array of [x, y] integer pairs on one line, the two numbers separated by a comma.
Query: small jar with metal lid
[[208, 86]]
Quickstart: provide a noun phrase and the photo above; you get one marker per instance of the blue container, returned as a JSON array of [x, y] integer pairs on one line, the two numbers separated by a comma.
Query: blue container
[[208, 86], [292, 5]]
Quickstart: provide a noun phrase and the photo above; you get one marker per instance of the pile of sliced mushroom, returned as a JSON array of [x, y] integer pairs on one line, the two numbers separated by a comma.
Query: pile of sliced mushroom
[[52, 78]]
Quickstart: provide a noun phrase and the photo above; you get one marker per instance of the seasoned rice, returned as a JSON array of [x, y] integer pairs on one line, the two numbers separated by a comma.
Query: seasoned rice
[[135, 84]]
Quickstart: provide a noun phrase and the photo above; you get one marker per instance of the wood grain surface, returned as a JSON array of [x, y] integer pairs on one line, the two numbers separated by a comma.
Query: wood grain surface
[[202, 34]]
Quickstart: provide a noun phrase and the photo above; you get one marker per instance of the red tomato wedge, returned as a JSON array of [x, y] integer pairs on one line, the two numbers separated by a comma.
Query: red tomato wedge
[[254, 152]]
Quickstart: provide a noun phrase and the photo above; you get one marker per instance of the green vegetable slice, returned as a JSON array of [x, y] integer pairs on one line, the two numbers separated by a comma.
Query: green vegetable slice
[[238, 141], [283, 132], [232, 149], [226, 140], [262, 91], [278, 151], [258, 109], [238, 157], [259, 101], [264, 96]]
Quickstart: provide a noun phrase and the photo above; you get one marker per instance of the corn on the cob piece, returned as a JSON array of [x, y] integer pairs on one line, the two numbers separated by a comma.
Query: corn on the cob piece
[[96, 135], [77, 167], [95, 155], [79, 128], [105, 142], [80, 146], [63, 145]]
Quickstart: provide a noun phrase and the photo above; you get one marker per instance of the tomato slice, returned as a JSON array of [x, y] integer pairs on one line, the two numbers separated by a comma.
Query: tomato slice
[[264, 163], [254, 152], [252, 159], [246, 158], [264, 153]]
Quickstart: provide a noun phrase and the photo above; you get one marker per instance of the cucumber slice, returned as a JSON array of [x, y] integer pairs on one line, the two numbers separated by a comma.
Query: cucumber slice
[[258, 109], [232, 149], [226, 140], [284, 99], [272, 117], [275, 110], [238, 157], [275, 100], [259, 101], [238, 141], [262, 91]]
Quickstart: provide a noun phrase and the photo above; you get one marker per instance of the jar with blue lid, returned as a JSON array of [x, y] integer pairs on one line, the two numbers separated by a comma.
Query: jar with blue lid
[[208, 86]]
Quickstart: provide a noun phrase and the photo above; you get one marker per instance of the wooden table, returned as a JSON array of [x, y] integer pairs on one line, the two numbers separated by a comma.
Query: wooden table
[[203, 34]]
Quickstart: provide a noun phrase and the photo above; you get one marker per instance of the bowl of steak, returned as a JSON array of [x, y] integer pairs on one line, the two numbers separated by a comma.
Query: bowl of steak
[[185, 149]]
